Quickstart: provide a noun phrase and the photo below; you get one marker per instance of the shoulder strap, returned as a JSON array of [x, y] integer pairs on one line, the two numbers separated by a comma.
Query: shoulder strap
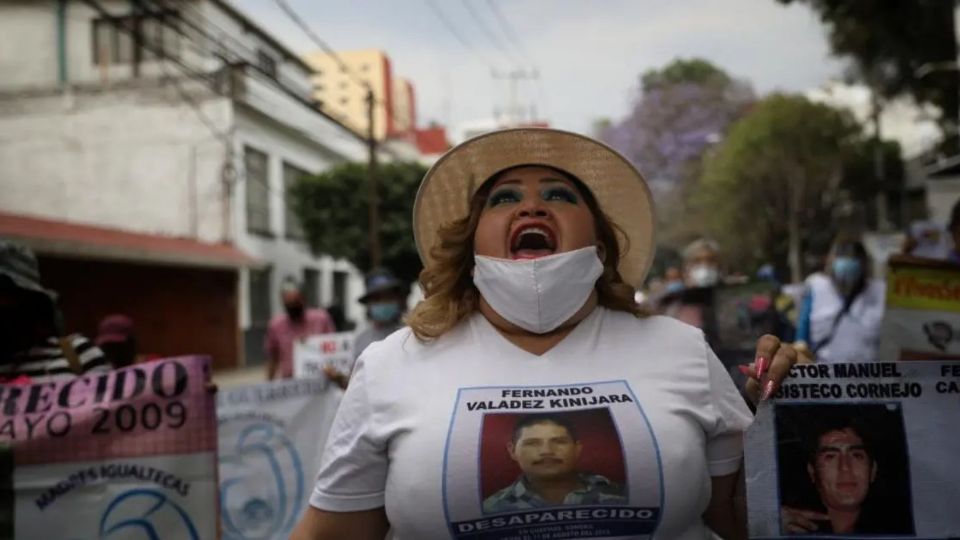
[[833, 328], [70, 353]]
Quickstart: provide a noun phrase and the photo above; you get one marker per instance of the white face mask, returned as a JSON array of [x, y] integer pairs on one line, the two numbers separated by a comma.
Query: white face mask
[[704, 275], [538, 295]]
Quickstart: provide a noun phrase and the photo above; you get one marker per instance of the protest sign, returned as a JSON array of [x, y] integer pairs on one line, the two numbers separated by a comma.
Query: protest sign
[[922, 319], [311, 354], [271, 437], [481, 479], [126, 454], [857, 451]]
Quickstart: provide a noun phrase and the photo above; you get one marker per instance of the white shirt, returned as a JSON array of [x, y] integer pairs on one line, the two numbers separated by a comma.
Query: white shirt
[[424, 429], [857, 335]]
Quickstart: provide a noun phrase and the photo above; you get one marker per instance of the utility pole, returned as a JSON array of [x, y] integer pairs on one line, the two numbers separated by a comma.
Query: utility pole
[[514, 77], [373, 201]]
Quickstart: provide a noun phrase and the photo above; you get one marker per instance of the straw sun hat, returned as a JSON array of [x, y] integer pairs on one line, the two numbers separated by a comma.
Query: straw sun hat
[[618, 187]]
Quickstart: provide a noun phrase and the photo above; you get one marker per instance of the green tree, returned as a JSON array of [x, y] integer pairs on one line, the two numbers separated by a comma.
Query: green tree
[[681, 110], [775, 179], [333, 209], [893, 44]]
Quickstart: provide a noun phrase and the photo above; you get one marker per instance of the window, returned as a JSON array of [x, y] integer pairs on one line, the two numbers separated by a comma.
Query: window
[[291, 221], [257, 190], [311, 287], [344, 101], [260, 298], [266, 63], [113, 37], [365, 67]]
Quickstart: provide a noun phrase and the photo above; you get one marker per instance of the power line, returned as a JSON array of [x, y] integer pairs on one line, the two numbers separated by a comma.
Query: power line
[[302, 24], [456, 33], [508, 29], [490, 35]]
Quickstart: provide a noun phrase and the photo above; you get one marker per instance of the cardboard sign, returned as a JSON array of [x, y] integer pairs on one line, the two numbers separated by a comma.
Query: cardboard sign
[[313, 353], [922, 319], [271, 438], [857, 451], [125, 454]]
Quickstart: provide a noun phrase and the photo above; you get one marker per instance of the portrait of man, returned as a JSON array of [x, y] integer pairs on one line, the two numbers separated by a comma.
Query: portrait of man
[[843, 469], [547, 449]]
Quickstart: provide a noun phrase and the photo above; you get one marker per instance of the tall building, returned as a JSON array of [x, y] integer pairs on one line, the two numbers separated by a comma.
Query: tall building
[[343, 97]]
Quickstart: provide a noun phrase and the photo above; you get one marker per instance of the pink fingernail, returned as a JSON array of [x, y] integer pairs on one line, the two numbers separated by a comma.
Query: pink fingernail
[[745, 370], [762, 365], [768, 390]]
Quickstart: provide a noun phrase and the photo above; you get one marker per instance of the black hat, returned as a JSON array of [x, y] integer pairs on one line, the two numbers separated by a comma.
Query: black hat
[[378, 281], [19, 265]]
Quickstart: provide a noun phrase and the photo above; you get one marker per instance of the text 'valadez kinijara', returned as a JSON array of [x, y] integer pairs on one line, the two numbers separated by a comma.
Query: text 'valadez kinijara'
[[847, 389], [553, 398]]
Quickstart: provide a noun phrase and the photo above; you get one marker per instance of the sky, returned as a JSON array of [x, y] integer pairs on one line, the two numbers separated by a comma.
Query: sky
[[589, 54]]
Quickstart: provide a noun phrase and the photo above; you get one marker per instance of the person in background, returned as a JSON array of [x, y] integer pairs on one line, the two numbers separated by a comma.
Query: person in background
[[32, 349], [842, 308], [673, 279], [385, 298], [928, 240], [116, 339], [296, 323], [701, 264]]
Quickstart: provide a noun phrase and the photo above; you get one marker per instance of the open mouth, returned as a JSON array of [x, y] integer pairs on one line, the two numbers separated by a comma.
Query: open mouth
[[531, 242]]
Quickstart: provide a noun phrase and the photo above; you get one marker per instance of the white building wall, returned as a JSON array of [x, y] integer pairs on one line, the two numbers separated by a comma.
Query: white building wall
[[137, 160], [287, 257], [942, 194], [33, 61]]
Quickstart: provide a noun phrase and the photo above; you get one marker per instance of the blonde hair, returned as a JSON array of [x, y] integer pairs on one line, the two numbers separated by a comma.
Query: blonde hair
[[447, 282]]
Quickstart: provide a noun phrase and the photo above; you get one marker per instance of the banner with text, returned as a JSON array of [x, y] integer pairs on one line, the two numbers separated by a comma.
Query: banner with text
[[857, 451], [128, 454], [271, 438], [314, 353], [922, 320]]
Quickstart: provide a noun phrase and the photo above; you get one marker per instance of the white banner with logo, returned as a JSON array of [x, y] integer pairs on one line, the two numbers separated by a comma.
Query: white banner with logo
[[314, 353], [125, 455], [271, 438], [857, 451]]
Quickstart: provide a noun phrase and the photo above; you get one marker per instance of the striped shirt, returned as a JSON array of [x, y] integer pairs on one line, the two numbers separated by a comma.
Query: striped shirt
[[48, 362]]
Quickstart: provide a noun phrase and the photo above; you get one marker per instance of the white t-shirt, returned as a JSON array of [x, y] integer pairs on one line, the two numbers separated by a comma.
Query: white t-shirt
[[856, 337], [425, 430]]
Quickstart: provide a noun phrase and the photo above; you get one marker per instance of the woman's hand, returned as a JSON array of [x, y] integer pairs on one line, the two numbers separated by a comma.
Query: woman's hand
[[774, 360], [340, 379]]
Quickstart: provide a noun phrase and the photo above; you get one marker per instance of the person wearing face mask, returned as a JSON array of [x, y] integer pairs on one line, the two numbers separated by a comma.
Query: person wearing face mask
[[533, 242], [701, 264], [32, 349], [842, 308], [296, 323], [386, 303]]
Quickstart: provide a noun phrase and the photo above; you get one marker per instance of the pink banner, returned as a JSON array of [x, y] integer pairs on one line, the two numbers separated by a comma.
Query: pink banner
[[161, 407]]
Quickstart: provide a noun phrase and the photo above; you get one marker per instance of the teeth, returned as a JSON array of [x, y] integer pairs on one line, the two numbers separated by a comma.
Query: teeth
[[534, 230], [540, 231]]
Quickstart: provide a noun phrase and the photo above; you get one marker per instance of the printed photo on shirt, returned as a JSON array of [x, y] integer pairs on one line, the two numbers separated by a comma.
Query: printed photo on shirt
[[551, 463], [551, 459], [843, 470]]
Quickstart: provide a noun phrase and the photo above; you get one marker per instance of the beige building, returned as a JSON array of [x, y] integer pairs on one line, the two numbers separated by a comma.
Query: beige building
[[344, 98]]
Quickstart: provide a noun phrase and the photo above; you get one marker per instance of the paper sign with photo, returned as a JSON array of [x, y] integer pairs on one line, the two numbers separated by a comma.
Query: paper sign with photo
[[857, 451], [551, 463]]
